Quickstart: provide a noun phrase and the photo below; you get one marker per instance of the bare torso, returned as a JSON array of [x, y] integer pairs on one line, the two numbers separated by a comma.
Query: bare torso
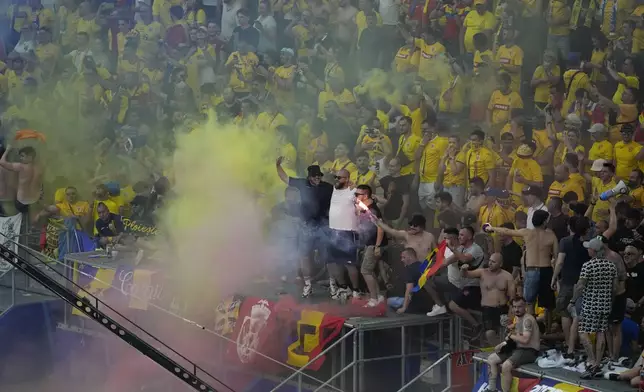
[[29, 183], [527, 323], [8, 184], [494, 287], [421, 243], [539, 244]]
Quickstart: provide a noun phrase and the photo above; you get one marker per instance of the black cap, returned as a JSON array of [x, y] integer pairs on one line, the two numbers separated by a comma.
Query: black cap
[[532, 190], [314, 171]]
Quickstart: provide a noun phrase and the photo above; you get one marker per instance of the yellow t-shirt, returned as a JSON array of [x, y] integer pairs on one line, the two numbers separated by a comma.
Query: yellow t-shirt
[[479, 163], [496, 216], [562, 150], [601, 210], [246, 67], [627, 114], [579, 180], [501, 105], [346, 164], [559, 189], [432, 154], [529, 169], [598, 58], [284, 96], [417, 116], [369, 178], [88, 26], [407, 146], [481, 58], [451, 179], [342, 99], [270, 122], [430, 59], [512, 56], [638, 197], [581, 80], [149, 36], [476, 23], [615, 13], [601, 150], [80, 208], [625, 161], [199, 16], [558, 11], [405, 60], [452, 98], [542, 91], [301, 36], [631, 81], [161, 10]]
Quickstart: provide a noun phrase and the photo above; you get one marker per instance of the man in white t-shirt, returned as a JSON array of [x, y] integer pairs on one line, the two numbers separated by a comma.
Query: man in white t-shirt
[[342, 245], [229, 18], [533, 196]]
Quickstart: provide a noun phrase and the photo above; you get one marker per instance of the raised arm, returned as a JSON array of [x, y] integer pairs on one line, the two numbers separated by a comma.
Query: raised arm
[[8, 165], [280, 170]]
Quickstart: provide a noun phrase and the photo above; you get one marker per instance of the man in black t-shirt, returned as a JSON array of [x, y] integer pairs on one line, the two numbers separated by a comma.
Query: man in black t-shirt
[[315, 200], [558, 221], [413, 301], [372, 239], [511, 252], [572, 256], [635, 276], [108, 225]]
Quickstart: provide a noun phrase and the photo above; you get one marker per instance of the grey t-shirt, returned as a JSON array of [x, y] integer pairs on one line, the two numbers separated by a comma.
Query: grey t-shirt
[[453, 270]]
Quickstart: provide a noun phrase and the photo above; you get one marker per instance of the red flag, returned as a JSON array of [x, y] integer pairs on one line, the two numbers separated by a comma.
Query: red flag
[[315, 330]]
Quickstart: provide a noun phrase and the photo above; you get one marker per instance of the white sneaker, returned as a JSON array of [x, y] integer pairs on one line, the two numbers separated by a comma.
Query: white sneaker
[[437, 311], [341, 294], [307, 290], [372, 303], [333, 287], [356, 295], [381, 299]]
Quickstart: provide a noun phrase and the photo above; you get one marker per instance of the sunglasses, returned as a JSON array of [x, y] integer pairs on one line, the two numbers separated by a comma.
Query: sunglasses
[[339, 177], [358, 194]]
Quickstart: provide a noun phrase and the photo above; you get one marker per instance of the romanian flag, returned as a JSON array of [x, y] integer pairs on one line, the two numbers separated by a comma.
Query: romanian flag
[[432, 264]]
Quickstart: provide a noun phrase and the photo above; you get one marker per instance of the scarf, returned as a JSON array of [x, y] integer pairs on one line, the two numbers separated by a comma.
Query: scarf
[[613, 16], [576, 12]]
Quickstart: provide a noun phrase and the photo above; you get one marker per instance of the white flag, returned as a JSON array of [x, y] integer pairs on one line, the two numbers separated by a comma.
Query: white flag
[[9, 236]]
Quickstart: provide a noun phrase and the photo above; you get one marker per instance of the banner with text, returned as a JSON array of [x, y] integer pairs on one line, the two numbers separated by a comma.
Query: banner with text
[[527, 383], [9, 236]]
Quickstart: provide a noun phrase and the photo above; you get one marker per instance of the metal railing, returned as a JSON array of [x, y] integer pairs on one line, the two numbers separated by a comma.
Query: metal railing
[[432, 366], [299, 373]]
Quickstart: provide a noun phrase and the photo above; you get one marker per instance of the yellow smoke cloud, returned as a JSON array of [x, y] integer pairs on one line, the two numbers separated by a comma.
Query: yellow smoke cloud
[[225, 185]]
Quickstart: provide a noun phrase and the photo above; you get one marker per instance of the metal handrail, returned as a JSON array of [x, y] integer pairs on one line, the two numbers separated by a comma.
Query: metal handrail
[[39, 255], [433, 365], [320, 355]]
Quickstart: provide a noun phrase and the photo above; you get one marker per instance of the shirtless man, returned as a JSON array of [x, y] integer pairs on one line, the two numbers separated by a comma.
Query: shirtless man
[[541, 251], [414, 237], [526, 336], [345, 23], [497, 287], [30, 176], [477, 198]]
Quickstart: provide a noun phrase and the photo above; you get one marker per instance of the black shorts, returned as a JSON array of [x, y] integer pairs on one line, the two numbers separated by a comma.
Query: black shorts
[[342, 247], [618, 309], [469, 298], [491, 316], [310, 238], [536, 286], [446, 290]]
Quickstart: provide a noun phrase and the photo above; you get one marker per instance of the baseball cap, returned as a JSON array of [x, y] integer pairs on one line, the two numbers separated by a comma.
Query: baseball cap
[[314, 171], [532, 190], [496, 192], [597, 127], [594, 244], [630, 305], [598, 164], [525, 151], [572, 121]]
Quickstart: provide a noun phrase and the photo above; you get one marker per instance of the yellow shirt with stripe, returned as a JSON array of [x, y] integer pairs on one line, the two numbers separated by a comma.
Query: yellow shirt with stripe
[[407, 146], [625, 154], [559, 189], [430, 159], [479, 163]]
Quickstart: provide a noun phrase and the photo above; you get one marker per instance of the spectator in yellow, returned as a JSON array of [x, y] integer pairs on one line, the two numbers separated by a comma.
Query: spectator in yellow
[[432, 54], [574, 78], [626, 78], [407, 145], [452, 171], [241, 65], [569, 139], [479, 160], [501, 104], [558, 18], [635, 195], [601, 148], [509, 56], [564, 184], [478, 21], [363, 175], [604, 181], [628, 153], [342, 160], [544, 78], [525, 171], [492, 211]]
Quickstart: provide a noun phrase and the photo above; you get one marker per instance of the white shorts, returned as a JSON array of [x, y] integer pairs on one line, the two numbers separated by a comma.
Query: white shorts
[[458, 194], [427, 195]]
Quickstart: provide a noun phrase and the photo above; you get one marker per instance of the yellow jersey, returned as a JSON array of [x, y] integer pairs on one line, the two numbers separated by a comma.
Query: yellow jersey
[[625, 154], [431, 157]]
